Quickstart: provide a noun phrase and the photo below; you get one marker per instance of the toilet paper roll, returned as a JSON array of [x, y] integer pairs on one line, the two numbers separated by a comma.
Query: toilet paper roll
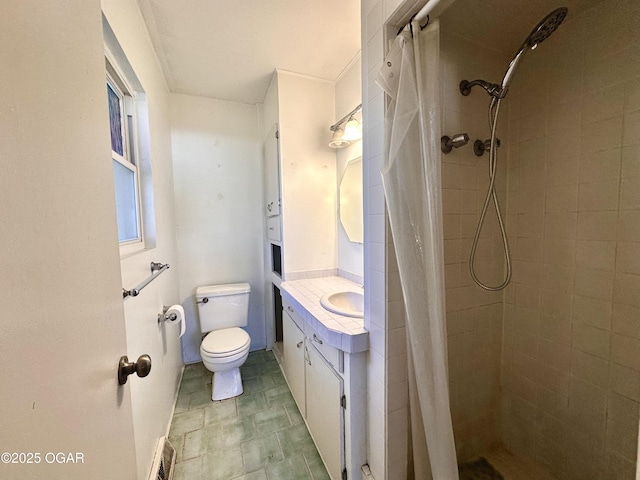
[[179, 316]]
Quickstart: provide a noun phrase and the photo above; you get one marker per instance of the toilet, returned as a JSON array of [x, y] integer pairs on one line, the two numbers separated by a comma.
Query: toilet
[[223, 309]]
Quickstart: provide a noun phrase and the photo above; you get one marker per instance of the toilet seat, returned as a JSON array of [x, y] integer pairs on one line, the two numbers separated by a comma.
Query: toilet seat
[[225, 343]]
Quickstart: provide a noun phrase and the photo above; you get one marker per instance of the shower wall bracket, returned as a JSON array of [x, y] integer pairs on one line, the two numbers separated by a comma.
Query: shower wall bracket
[[449, 143], [479, 147]]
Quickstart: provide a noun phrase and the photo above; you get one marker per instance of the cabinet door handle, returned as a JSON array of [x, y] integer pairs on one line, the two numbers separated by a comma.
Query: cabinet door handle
[[306, 355], [289, 309], [317, 340], [299, 344]]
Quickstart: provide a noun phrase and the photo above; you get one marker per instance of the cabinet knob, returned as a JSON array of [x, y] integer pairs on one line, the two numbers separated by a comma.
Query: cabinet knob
[[299, 345]]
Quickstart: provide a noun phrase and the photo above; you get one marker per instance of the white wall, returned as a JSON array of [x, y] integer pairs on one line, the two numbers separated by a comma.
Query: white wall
[[152, 397], [374, 13], [306, 108], [348, 96], [62, 328], [269, 112], [218, 196]]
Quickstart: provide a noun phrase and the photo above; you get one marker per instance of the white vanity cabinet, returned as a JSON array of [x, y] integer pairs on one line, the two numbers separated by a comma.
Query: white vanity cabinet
[[294, 353], [322, 382], [272, 173], [325, 415]]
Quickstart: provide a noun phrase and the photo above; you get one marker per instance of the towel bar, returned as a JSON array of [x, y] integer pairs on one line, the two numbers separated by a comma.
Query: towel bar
[[156, 271]]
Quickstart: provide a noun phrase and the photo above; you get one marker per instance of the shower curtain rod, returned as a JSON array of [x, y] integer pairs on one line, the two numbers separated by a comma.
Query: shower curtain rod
[[431, 7], [348, 115], [423, 13]]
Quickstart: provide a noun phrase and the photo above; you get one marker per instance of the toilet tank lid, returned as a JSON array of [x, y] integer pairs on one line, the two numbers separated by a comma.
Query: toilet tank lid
[[220, 290]]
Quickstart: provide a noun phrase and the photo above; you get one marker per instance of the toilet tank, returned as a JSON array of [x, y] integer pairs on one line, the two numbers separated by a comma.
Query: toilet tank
[[223, 306]]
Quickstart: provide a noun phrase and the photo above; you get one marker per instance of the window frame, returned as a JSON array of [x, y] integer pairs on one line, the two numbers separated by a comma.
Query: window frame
[[117, 81]]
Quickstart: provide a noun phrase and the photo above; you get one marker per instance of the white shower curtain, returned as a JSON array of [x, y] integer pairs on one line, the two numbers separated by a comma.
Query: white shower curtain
[[410, 77]]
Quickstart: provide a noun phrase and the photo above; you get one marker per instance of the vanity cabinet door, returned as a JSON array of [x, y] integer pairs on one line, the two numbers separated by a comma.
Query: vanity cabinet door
[[294, 359], [273, 229], [272, 173], [325, 415]]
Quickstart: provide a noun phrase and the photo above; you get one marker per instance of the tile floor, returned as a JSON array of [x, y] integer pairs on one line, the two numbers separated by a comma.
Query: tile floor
[[259, 435]]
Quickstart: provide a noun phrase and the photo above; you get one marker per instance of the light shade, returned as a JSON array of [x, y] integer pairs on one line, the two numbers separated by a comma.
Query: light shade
[[337, 139], [352, 130]]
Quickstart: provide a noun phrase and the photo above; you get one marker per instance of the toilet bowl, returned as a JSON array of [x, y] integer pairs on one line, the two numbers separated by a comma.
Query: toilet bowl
[[223, 352]]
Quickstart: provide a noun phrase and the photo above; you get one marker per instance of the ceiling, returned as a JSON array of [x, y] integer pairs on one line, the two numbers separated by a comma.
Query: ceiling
[[228, 49]]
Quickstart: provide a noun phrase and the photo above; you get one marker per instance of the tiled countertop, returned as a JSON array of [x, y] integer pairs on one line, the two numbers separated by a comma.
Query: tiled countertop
[[345, 333]]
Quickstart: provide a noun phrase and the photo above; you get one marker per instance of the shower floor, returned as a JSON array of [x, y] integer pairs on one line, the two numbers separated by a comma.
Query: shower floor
[[516, 468]]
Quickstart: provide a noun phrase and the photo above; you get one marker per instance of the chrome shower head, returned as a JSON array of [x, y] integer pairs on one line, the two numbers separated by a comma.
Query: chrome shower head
[[541, 32], [546, 27]]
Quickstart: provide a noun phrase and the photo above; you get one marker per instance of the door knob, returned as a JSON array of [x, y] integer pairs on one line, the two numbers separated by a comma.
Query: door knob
[[125, 368]]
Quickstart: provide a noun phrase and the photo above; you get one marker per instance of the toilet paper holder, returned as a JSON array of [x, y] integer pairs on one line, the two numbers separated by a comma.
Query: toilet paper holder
[[164, 317]]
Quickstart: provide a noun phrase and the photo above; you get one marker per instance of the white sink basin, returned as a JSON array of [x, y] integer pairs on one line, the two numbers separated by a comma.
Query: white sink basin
[[348, 303]]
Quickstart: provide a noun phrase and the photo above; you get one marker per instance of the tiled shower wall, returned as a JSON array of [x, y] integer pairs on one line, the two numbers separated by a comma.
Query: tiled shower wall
[[571, 368], [474, 315], [571, 379]]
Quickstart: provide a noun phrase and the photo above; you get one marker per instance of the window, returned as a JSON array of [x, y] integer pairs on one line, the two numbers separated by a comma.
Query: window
[[130, 149], [123, 158]]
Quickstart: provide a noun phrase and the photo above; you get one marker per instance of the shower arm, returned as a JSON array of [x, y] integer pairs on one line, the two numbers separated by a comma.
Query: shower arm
[[493, 89]]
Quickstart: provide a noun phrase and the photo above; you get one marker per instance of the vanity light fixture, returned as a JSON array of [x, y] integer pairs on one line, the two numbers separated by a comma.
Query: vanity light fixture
[[352, 130], [337, 139], [342, 137]]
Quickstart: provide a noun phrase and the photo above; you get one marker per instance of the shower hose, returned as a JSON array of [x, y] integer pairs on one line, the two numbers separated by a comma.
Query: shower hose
[[494, 111]]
